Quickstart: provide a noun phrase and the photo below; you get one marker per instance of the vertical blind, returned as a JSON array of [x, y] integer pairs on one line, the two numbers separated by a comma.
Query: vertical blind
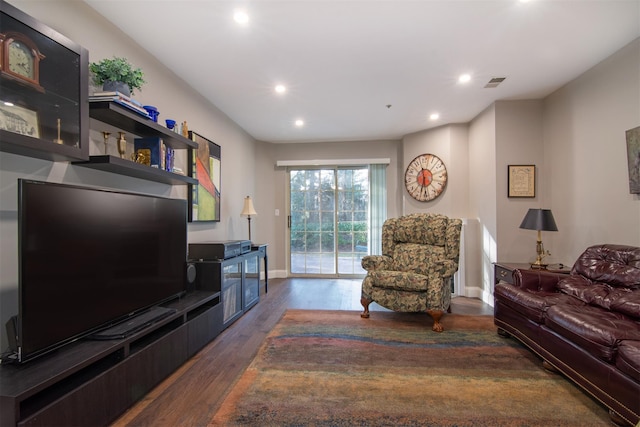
[[377, 205]]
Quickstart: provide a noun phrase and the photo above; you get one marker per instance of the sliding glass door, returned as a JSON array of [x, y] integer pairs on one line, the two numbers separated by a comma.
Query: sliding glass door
[[328, 220]]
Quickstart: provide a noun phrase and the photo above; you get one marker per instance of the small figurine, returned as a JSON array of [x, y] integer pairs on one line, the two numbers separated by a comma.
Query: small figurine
[[105, 135], [58, 140], [185, 129], [122, 145], [142, 156]]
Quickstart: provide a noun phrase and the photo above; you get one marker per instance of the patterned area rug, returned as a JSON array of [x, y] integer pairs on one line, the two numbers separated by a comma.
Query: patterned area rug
[[332, 368]]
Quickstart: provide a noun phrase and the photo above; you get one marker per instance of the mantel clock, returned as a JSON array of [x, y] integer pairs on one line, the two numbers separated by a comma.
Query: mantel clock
[[20, 59]]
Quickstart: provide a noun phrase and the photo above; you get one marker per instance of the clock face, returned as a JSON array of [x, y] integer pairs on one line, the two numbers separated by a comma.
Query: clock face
[[21, 60], [425, 178]]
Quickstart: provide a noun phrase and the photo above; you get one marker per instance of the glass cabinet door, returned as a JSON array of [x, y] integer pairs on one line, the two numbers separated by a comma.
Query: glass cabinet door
[[252, 282], [44, 83], [231, 291]]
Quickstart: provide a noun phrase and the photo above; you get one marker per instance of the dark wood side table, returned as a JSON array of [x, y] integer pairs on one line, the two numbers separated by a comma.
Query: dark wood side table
[[504, 270], [262, 253]]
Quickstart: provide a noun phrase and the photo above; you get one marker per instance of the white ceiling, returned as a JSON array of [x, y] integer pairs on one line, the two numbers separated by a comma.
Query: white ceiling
[[344, 61]]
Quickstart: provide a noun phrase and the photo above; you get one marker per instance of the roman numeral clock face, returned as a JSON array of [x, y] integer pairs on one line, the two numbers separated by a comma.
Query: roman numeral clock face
[[425, 178]]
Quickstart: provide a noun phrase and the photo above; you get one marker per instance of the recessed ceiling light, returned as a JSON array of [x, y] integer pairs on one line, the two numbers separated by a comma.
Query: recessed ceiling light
[[434, 116], [281, 89], [464, 78], [240, 16], [299, 123]]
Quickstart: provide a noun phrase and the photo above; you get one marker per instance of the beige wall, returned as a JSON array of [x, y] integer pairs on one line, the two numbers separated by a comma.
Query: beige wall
[[449, 143], [518, 142], [482, 198], [576, 139], [585, 153]]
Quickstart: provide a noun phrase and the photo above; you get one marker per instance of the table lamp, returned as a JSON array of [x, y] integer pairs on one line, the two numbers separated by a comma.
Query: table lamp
[[247, 211], [540, 220]]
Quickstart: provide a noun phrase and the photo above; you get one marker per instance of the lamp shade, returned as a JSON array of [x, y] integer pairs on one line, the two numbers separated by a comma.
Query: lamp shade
[[248, 209], [539, 219]]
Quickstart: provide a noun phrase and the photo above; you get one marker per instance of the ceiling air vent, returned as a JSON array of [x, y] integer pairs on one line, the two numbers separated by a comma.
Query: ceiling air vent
[[494, 82]]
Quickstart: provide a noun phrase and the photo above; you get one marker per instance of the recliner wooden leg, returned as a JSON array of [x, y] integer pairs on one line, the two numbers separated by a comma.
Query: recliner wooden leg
[[436, 315], [365, 303]]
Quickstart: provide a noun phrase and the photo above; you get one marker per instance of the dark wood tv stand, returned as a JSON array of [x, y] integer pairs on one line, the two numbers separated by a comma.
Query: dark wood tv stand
[[93, 382]]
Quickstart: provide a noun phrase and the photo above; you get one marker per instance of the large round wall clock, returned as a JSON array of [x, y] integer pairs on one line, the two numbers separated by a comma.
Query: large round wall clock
[[20, 59], [425, 178]]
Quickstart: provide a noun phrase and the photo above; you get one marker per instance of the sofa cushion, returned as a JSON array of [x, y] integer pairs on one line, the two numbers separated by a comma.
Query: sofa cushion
[[628, 360], [628, 303], [617, 265], [580, 287], [620, 299], [398, 280], [531, 304], [596, 330]]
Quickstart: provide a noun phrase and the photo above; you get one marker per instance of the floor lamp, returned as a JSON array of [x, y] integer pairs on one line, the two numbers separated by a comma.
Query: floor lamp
[[247, 211], [540, 220]]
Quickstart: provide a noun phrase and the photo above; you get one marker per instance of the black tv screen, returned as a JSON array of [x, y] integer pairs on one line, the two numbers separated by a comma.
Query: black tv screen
[[91, 257]]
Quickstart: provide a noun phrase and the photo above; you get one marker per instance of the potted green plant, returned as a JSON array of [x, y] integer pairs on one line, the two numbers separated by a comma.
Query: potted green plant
[[110, 72]]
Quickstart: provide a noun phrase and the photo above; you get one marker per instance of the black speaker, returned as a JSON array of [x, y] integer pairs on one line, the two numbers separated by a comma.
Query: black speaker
[[191, 275], [12, 333], [208, 276]]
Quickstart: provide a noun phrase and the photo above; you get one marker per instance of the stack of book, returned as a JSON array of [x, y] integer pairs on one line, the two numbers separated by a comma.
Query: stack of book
[[120, 99]]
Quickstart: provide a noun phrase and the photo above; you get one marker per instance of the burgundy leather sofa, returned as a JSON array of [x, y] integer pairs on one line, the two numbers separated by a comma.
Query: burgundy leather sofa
[[585, 324]]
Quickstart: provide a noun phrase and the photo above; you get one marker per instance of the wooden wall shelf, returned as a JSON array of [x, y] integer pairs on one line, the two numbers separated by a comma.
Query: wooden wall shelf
[[129, 121], [33, 147], [126, 167]]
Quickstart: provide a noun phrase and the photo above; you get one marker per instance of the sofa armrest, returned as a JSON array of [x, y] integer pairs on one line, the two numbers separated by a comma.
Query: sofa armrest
[[376, 262], [537, 280]]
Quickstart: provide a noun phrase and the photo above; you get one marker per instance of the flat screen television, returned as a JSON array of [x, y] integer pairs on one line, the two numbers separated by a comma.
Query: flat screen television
[[90, 258]]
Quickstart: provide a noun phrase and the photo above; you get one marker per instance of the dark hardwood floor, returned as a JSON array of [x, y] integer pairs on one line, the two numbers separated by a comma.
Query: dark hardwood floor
[[192, 394]]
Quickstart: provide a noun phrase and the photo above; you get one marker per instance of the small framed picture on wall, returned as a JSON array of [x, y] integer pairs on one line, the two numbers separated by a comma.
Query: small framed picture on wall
[[522, 181]]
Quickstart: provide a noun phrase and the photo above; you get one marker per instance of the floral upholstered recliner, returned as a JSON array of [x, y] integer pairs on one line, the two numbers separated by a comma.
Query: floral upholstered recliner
[[419, 257]]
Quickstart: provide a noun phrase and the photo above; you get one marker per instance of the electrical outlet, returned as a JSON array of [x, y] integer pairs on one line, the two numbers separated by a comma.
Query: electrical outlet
[[277, 212]]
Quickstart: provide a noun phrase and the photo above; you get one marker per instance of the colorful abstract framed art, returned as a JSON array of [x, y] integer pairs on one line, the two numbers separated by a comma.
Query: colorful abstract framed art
[[204, 165], [633, 158]]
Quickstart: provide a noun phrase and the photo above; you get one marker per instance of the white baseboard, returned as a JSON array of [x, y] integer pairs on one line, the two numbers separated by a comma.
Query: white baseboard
[[477, 292], [278, 274], [472, 292]]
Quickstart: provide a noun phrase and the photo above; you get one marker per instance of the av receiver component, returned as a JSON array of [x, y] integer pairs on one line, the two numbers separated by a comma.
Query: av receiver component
[[208, 251]]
